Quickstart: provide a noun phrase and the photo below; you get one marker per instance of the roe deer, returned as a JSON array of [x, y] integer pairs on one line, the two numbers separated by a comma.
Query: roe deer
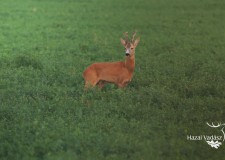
[[119, 73]]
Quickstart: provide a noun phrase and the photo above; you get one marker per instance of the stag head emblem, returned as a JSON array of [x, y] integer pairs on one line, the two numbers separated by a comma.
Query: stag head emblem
[[215, 143]]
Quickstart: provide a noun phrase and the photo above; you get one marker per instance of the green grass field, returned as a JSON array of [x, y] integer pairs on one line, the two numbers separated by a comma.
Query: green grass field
[[178, 84]]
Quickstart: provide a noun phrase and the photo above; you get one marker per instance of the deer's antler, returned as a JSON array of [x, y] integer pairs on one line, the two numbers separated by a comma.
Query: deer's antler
[[134, 34]]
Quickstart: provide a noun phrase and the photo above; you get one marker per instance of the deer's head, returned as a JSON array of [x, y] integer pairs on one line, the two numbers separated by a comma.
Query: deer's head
[[129, 45]]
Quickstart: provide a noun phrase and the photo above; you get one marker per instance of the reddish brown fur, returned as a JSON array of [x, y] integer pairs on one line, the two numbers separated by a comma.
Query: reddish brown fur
[[119, 73]]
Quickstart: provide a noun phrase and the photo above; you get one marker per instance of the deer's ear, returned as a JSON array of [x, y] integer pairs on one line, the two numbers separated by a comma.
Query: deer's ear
[[123, 42], [136, 41]]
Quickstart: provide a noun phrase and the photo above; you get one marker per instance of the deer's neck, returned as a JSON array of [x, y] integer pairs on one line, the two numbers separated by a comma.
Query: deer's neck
[[130, 63]]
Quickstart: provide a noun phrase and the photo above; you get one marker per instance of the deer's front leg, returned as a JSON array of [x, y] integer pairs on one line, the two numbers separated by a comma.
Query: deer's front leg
[[122, 85]]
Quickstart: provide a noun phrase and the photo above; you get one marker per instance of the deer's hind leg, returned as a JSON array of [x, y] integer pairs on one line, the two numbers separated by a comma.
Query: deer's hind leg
[[101, 84], [91, 79]]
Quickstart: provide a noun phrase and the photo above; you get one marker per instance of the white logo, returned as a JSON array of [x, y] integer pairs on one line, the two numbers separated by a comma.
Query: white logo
[[216, 144], [215, 140]]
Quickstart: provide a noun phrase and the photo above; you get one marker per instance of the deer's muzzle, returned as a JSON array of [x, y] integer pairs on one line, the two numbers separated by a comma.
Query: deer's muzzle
[[127, 52]]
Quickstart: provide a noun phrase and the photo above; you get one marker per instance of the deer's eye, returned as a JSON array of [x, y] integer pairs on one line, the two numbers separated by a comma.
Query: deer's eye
[[132, 48]]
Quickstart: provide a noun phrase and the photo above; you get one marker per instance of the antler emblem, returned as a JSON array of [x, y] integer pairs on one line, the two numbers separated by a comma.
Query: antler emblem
[[212, 143]]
